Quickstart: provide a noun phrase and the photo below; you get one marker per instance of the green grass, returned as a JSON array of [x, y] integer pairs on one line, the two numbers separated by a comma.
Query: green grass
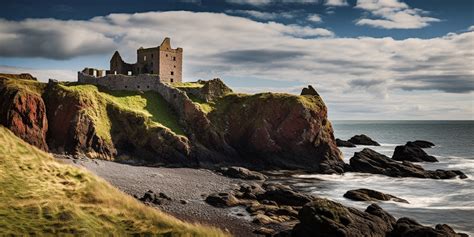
[[187, 85], [148, 104], [206, 107], [27, 86], [40, 196]]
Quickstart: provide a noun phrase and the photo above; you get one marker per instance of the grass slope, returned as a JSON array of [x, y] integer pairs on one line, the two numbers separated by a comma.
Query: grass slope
[[147, 104], [40, 196]]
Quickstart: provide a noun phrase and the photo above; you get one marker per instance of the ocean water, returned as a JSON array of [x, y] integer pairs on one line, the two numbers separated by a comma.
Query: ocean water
[[431, 201]]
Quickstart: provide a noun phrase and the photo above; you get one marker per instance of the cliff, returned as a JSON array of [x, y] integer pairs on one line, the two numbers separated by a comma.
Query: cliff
[[41, 196], [190, 124]]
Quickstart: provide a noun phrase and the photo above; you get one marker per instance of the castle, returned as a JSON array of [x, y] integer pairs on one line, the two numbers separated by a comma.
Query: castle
[[161, 63]]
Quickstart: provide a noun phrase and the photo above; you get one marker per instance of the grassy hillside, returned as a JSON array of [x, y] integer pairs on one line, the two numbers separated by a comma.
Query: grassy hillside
[[146, 104], [39, 195]]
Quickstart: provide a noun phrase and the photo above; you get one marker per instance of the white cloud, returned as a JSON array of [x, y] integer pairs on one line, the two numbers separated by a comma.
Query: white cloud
[[336, 3], [436, 75], [471, 28], [393, 14], [250, 2], [264, 15], [315, 18]]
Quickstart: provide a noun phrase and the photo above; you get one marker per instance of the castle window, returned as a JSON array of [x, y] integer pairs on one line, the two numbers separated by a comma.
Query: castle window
[[172, 73], [126, 87], [138, 87], [151, 72], [174, 66], [129, 73], [151, 55], [166, 55], [171, 80], [144, 58], [147, 86], [174, 58]]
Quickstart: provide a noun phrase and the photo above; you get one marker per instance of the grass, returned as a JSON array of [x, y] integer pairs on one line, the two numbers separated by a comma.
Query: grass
[[206, 107], [28, 86], [40, 196], [148, 104], [187, 85]]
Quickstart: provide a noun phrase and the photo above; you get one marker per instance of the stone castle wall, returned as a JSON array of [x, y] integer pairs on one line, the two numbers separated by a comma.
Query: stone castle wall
[[142, 82]]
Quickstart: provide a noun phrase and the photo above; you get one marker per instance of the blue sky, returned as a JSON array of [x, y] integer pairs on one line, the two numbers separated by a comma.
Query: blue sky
[[370, 59]]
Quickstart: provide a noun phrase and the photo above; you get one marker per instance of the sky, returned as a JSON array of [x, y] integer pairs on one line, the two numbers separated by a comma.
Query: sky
[[368, 59]]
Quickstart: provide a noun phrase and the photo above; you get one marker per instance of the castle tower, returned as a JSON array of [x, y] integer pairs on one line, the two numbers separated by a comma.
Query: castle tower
[[162, 60]]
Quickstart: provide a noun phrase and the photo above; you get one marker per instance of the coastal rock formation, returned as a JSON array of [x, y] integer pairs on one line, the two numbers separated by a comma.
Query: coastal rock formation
[[284, 195], [412, 152], [371, 195], [370, 161], [409, 227], [269, 130], [423, 144], [279, 131], [22, 109], [363, 140], [343, 143], [323, 217], [309, 91], [242, 173]]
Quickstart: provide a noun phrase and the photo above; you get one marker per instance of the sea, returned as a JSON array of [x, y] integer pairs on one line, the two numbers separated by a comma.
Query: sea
[[431, 201]]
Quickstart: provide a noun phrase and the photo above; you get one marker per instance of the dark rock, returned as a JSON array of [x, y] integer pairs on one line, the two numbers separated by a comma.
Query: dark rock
[[250, 191], [284, 195], [164, 196], [371, 195], [363, 140], [184, 202], [343, 143], [376, 210], [423, 144], [224, 199], [323, 217], [264, 231], [214, 89], [406, 227], [370, 161], [242, 173], [309, 91], [149, 196], [412, 152]]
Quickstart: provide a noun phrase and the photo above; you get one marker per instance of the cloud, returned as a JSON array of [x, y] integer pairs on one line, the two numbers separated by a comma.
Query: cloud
[[336, 3], [314, 18], [259, 3], [250, 2], [393, 14], [264, 15], [348, 72]]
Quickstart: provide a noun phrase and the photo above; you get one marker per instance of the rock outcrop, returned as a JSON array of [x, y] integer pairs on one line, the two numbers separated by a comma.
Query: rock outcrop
[[309, 91], [323, 217], [279, 130], [412, 152], [242, 173], [22, 109], [343, 143], [265, 131], [423, 144], [370, 161], [363, 140], [364, 194]]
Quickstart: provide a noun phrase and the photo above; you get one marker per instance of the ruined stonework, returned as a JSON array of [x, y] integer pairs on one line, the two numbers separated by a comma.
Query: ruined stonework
[[163, 61]]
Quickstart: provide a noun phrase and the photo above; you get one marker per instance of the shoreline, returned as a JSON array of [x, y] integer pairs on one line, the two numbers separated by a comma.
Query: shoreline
[[189, 184]]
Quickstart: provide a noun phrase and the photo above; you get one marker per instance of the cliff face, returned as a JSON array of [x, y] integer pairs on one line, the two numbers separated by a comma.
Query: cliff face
[[279, 130], [22, 109], [168, 127]]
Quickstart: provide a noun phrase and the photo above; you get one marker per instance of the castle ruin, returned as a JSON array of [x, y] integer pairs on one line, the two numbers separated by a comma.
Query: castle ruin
[[163, 64]]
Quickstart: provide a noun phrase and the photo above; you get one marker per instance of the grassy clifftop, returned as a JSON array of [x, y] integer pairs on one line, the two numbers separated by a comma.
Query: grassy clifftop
[[38, 195]]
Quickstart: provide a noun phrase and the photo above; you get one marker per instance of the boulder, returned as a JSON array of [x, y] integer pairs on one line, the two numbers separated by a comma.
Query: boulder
[[250, 191], [406, 227], [363, 140], [284, 195], [242, 173], [223, 199], [309, 91], [323, 217], [423, 144], [371, 195], [213, 89], [413, 153], [343, 143], [370, 161]]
